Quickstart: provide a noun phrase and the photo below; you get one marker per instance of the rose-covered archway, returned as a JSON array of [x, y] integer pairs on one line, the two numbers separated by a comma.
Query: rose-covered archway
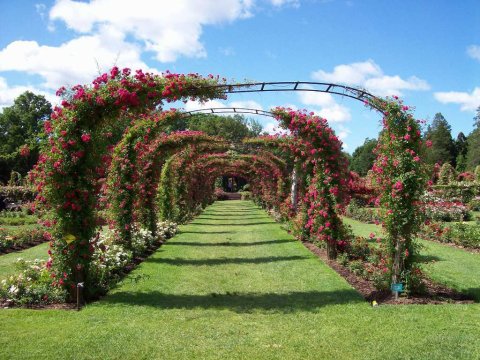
[[121, 115]]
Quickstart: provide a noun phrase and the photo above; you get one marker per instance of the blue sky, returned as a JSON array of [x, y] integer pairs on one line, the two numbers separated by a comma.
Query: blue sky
[[428, 52]]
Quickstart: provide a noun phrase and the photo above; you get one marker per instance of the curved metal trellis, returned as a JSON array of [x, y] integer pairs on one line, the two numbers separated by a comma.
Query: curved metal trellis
[[229, 110], [276, 86]]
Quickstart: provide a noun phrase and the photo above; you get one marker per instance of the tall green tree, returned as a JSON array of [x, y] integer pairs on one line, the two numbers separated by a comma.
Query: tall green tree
[[461, 148], [22, 124], [443, 146], [476, 119], [473, 141], [363, 157], [233, 128]]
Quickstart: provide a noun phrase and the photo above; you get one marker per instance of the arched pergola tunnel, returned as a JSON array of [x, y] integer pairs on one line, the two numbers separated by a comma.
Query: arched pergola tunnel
[[120, 120]]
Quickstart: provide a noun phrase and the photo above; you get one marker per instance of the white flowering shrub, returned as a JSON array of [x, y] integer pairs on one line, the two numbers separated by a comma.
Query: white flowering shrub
[[438, 209], [109, 259], [32, 285], [166, 229], [108, 255], [142, 239]]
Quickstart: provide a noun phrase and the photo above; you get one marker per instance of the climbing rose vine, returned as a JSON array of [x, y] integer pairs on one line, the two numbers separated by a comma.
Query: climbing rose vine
[[402, 178], [315, 145]]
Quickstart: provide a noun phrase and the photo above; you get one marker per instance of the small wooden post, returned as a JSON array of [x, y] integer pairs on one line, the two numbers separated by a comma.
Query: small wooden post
[[79, 286]]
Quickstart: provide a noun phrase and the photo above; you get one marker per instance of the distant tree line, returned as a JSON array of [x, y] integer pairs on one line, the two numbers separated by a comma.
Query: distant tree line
[[21, 132], [462, 153]]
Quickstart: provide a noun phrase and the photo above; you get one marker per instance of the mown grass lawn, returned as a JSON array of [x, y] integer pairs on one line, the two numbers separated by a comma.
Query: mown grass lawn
[[7, 261], [234, 285], [456, 268]]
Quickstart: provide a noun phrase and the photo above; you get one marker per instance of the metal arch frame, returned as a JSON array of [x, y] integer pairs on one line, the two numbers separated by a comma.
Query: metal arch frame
[[276, 86], [229, 110]]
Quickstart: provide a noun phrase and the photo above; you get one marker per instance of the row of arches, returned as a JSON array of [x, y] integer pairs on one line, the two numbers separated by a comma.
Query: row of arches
[[111, 137]]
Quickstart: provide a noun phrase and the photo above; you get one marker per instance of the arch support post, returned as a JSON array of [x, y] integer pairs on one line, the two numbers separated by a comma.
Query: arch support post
[[294, 188]]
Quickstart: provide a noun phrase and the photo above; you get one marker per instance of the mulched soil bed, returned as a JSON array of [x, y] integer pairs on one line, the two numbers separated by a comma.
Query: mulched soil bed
[[25, 246], [62, 306], [435, 294]]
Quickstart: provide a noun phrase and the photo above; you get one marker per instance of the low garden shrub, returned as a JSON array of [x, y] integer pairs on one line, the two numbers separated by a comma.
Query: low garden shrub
[[459, 191], [22, 237], [16, 194], [447, 174], [466, 235], [355, 211], [220, 194], [32, 285], [474, 204], [16, 218], [438, 209], [246, 195]]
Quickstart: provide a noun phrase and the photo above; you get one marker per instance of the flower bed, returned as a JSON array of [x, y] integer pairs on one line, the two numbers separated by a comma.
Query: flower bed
[[465, 235], [369, 262], [31, 286], [462, 191], [36, 285], [18, 239], [438, 209]]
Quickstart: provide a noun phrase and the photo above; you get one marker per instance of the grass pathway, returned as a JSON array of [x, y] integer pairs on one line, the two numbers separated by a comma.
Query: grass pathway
[[234, 285]]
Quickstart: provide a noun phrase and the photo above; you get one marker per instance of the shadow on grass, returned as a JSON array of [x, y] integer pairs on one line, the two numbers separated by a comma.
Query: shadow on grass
[[228, 212], [426, 258], [473, 292], [238, 302], [232, 224], [207, 232], [228, 217], [226, 243], [224, 261]]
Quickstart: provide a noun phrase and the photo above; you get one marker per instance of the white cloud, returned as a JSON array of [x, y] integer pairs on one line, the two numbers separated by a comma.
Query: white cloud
[[196, 105], [342, 133], [40, 8], [273, 128], [113, 32], [286, 106], [329, 108], [248, 104], [9, 93], [467, 102], [227, 51], [316, 98], [168, 28], [474, 52], [280, 3], [76, 61], [355, 73], [370, 76], [335, 113]]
